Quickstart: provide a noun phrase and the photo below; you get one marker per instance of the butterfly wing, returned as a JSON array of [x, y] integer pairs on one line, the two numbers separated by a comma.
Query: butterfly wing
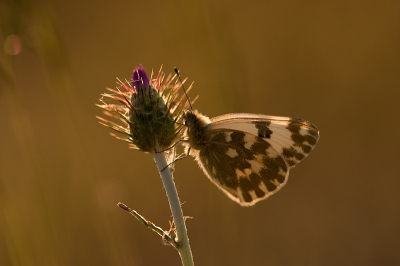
[[244, 166], [248, 156], [292, 138]]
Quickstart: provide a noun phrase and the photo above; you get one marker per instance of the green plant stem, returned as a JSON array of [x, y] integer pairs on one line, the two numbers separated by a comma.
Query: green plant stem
[[175, 205]]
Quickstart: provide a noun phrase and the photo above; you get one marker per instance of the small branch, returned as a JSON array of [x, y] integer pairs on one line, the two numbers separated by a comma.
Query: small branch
[[158, 230]]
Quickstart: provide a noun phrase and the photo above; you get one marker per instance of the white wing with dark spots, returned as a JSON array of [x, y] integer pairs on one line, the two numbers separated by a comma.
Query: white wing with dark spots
[[248, 156], [293, 138]]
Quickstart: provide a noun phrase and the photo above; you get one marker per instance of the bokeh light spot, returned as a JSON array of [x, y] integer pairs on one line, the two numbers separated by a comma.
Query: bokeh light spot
[[12, 45]]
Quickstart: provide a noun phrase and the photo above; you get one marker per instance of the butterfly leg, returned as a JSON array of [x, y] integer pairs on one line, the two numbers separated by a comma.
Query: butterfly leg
[[182, 156], [176, 143]]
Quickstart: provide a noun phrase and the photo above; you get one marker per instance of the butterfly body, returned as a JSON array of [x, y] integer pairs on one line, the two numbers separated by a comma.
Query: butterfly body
[[248, 156]]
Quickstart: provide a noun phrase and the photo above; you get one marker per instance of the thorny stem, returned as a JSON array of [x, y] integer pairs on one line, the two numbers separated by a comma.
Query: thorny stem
[[181, 238]]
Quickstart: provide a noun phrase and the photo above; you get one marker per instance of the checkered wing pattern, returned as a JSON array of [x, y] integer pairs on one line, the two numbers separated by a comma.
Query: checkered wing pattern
[[249, 156]]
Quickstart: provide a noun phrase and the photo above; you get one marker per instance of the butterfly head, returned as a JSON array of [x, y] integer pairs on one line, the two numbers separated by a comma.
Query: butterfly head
[[193, 119], [189, 118]]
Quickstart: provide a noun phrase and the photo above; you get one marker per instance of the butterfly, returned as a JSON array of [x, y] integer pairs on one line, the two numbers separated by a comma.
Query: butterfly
[[248, 156]]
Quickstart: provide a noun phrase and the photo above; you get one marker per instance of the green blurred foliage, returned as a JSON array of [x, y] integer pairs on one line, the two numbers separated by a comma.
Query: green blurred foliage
[[335, 63]]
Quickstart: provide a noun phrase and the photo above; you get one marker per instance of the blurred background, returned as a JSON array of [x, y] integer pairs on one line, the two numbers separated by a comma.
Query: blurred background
[[334, 63]]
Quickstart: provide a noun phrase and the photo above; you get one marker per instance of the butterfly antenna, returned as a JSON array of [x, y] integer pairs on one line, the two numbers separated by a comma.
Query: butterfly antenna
[[180, 80]]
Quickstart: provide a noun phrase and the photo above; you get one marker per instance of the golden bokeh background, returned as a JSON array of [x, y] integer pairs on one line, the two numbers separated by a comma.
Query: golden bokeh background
[[335, 63]]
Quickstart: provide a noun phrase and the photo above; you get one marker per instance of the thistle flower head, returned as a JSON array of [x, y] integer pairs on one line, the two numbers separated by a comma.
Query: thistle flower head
[[147, 111]]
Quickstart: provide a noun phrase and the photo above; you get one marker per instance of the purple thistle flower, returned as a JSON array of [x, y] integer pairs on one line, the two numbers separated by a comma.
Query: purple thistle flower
[[140, 78]]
